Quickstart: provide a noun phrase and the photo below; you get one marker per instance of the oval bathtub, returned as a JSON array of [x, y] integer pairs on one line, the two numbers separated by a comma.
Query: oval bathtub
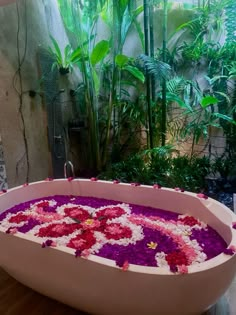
[[95, 285]]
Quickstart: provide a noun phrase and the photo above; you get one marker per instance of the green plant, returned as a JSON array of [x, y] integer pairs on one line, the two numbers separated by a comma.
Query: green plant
[[103, 62], [62, 59], [159, 71], [223, 166], [158, 165], [132, 169]]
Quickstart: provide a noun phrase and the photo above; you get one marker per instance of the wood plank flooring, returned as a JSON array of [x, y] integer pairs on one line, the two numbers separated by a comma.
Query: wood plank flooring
[[16, 299]]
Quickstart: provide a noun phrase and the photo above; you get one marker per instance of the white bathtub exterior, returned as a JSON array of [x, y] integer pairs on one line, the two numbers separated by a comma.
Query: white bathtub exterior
[[96, 285]]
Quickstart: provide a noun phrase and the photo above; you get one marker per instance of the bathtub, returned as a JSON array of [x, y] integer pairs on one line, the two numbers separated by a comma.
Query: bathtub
[[95, 285]]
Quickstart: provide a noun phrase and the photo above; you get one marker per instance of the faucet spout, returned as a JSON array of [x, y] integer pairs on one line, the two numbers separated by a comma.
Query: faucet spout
[[68, 166]]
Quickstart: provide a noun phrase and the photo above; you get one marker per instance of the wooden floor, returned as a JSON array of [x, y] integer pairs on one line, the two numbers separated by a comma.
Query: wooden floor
[[16, 299]]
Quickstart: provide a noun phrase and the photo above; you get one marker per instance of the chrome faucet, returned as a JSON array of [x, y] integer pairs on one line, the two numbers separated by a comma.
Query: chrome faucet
[[70, 164]]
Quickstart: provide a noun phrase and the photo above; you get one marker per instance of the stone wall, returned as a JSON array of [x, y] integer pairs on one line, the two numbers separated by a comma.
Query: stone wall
[[3, 177], [25, 29]]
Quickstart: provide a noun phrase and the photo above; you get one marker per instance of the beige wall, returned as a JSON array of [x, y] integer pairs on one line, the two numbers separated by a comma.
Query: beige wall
[[40, 18]]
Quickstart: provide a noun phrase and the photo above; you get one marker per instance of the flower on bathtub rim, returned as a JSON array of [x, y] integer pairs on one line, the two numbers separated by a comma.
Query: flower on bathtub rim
[[157, 186], [231, 250], [48, 243], [125, 266], [49, 179], [11, 230], [203, 196], [183, 269]]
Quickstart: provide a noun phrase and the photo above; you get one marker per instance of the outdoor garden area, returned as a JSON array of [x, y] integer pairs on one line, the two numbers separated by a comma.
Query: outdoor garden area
[[155, 102], [137, 91], [118, 157], [163, 111]]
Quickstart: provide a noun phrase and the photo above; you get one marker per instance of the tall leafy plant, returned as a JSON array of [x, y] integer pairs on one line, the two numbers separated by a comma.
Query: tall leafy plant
[[82, 19], [123, 17]]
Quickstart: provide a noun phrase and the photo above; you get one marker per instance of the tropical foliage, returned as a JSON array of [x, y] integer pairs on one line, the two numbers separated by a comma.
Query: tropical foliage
[[167, 93]]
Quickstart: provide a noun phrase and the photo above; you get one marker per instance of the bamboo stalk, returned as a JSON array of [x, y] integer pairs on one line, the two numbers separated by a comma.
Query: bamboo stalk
[[117, 18], [163, 120], [148, 86], [90, 95], [151, 32]]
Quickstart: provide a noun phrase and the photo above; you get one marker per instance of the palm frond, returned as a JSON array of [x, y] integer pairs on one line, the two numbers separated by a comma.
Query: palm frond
[[159, 69], [176, 85]]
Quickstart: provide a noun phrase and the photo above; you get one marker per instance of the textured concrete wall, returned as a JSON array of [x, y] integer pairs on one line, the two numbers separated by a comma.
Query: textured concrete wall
[[36, 20]]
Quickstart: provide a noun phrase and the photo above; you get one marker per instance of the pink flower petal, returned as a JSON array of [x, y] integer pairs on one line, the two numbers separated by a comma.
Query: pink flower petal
[[183, 269], [157, 186], [116, 181], [135, 184], [11, 230], [201, 195], [125, 266], [85, 253], [49, 179], [179, 189], [233, 248]]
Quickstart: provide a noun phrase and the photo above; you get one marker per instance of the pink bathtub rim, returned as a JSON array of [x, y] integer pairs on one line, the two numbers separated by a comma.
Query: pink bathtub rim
[[227, 217]]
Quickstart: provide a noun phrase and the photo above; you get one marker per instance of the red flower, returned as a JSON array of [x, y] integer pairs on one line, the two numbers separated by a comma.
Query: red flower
[[191, 221], [176, 259], [86, 225], [18, 218], [58, 230], [116, 231], [77, 212], [43, 204], [110, 212], [82, 241]]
